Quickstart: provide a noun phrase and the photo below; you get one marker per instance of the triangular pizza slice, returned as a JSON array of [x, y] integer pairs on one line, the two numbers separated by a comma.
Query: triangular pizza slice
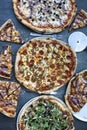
[[79, 21], [7, 88], [6, 62], [9, 93], [9, 33]]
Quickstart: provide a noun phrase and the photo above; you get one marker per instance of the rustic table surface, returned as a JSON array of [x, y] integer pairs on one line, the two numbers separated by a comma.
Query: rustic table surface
[[6, 12]]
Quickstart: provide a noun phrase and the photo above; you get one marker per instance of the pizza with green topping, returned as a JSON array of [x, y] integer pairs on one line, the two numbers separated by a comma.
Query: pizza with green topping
[[45, 113], [44, 65], [45, 16]]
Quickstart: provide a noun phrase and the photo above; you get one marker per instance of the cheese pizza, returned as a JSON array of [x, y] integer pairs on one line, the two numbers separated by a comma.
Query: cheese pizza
[[76, 94], [45, 16], [44, 64], [45, 113]]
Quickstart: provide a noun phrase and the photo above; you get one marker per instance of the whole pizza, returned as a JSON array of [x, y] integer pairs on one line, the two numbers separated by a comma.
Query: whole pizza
[[45, 113], [45, 16], [44, 64]]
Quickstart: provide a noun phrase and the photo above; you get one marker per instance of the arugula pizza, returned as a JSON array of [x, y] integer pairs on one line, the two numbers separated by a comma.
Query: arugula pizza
[[44, 64], [45, 113], [76, 94], [9, 93], [45, 16]]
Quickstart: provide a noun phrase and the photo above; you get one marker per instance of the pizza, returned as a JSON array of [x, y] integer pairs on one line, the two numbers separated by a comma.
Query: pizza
[[79, 21], [45, 113], [9, 93], [44, 64], [45, 16], [6, 62], [76, 94], [9, 33]]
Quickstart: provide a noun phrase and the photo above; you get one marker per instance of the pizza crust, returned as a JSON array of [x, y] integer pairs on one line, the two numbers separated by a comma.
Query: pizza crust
[[27, 84], [48, 29]]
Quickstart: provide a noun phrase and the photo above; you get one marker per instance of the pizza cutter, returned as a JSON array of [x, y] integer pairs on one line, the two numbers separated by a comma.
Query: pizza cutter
[[78, 41]]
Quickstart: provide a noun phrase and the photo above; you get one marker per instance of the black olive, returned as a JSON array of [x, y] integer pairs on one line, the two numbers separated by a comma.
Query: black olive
[[59, 7], [60, 4], [48, 6], [32, 19], [24, 3], [33, 4], [40, 19], [57, 15], [53, 19], [50, 12], [44, 1], [63, 2], [54, 8]]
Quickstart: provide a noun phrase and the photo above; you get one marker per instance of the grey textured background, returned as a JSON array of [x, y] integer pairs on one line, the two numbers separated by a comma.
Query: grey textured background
[[6, 12]]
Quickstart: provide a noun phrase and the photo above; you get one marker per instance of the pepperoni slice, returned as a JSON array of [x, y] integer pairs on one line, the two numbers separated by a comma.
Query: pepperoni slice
[[31, 63], [24, 52], [27, 77], [41, 52], [52, 66], [20, 62], [53, 78], [34, 44]]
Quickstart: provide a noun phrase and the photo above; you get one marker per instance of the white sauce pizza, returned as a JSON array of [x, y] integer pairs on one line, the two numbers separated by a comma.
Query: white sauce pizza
[[46, 16], [44, 64]]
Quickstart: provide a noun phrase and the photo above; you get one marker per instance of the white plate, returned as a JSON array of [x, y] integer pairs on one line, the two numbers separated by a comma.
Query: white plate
[[82, 114], [78, 41]]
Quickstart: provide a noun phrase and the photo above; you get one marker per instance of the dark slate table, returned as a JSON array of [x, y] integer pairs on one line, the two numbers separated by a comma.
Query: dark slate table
[[6, 12]]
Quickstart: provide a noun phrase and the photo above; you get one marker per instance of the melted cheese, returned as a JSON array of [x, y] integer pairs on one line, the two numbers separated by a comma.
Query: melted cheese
[[53, 12]]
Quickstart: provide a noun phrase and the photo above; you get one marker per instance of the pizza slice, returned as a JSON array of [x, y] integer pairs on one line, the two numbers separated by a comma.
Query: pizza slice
[[79, 21], [6, 62], [7, 88], [9, 33], [9, 93]]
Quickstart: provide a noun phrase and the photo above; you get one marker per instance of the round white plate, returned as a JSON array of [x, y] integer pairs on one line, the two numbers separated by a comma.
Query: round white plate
[[78, 41], [82, 114]]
